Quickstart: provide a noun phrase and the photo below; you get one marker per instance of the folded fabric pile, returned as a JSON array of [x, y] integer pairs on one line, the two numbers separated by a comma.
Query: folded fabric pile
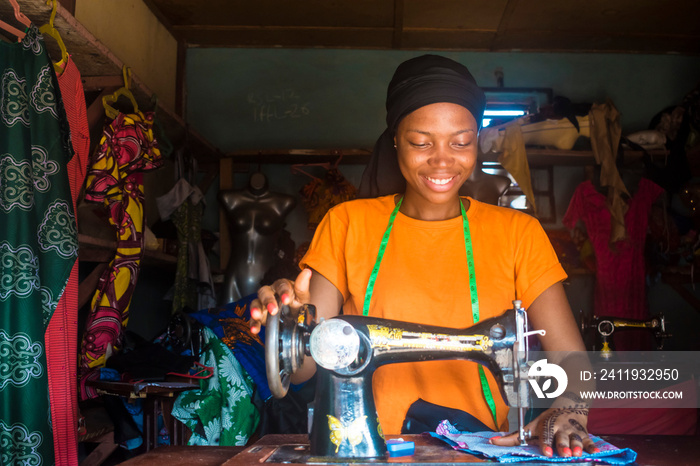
[[477, 443]]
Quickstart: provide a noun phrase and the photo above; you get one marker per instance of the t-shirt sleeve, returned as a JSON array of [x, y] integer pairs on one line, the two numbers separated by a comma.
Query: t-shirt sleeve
[[326, 254], [537, 264]]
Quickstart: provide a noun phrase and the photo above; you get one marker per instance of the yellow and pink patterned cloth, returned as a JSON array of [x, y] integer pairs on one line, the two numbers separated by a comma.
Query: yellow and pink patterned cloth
[[115, 178]]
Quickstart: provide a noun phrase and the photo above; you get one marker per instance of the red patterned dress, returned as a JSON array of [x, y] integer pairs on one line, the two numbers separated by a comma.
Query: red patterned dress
[[62, 332], [620, 289]]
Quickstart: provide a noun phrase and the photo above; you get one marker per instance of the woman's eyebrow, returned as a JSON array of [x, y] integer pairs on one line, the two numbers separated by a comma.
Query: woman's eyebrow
[[466, 130], [428, 133]]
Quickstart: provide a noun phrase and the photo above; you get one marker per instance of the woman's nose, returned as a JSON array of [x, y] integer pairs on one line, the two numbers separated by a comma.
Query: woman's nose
[[441, 156]]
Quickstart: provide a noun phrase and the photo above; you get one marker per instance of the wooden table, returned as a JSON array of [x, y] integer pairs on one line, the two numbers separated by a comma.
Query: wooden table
[[658, 450], [185, 456], [156, 396]]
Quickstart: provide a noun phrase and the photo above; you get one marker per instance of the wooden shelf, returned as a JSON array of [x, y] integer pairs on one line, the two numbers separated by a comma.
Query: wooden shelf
[[100, 68], [540, 157], [349, 156], [101, 250], [535, 156]]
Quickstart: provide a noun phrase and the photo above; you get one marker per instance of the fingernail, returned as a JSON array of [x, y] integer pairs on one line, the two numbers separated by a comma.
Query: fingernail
[[254, 330], [596, 450], [578, 451], [271, 307], [566, 452], [255, 313], [548, 451], [491, 441], [285, 298]]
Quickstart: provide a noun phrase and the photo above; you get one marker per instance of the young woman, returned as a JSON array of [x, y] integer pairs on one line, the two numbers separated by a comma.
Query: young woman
[[448, 261]]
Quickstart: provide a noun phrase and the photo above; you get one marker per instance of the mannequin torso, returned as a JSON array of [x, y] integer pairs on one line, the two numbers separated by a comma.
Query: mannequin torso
[[255, 219]]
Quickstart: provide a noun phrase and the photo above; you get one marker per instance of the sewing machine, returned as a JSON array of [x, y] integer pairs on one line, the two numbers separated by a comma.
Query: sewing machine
[[348, 349], [605, 326]]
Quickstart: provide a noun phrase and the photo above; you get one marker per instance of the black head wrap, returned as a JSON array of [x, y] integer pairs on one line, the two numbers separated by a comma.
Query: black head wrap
[[417, 82]]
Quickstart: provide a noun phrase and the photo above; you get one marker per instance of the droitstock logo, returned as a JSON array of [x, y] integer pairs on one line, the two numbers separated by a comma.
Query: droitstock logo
[[543, 372]]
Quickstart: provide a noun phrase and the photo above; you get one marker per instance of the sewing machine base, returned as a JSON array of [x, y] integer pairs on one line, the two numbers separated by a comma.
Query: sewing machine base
[[273, 450]]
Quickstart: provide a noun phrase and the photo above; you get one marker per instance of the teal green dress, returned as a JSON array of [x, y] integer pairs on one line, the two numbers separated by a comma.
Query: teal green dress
[[38, 242]]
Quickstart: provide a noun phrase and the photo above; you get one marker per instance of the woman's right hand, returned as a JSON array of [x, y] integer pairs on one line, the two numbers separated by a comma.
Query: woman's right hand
[[292, 293]]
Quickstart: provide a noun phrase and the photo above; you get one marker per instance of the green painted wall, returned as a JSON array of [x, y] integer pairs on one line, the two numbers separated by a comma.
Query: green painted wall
[[325, 98]]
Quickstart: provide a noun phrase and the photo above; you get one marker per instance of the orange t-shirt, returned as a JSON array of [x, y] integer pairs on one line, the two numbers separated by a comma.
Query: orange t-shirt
[[423, 278]]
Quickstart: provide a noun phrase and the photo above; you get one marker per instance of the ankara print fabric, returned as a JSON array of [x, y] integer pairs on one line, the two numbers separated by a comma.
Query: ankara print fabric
[[127, 149], [319, 195], [221, 410], [38, 242]]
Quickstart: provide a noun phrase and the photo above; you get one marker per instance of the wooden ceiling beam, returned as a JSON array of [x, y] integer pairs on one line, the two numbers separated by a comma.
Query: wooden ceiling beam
[[503, 23], [438, 38], [96, 83], [499, 25], [396, 41], [342, 37]]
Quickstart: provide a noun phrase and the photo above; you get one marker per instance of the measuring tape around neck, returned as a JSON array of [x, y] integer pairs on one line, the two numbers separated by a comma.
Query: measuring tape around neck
[[472, 288]]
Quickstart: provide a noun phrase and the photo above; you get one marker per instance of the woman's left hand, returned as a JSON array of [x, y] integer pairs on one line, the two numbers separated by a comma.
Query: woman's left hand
[[558, 429], [561, 429]]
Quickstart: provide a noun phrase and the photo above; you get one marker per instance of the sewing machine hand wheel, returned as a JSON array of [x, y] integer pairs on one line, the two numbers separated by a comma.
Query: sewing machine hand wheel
[[286, 341]]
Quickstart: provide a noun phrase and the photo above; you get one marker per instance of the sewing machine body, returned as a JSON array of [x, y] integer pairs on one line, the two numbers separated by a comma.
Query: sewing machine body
[[348, 349]]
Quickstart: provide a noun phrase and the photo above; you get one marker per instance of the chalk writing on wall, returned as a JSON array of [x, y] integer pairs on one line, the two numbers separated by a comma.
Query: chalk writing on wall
[[272, 106]]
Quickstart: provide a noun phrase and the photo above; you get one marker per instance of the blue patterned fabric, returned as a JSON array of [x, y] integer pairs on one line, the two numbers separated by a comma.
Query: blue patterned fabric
[[230, 324], [477, 443]]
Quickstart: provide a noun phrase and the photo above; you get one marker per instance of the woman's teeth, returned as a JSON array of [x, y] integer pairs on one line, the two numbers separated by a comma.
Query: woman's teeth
[[440, 181]]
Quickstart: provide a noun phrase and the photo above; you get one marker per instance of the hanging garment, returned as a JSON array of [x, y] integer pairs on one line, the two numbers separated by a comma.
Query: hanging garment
[[62, 332], [319, 195], [620, 289], [514, 159], [38, 242], [221, 411], [605, 138], [194, 286], [127, 149]]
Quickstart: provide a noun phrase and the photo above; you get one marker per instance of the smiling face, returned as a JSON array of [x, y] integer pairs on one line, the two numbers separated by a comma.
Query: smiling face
[[437, 149]]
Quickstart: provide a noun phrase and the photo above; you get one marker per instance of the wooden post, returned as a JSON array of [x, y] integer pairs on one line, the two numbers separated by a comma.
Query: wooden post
[[225, 182]]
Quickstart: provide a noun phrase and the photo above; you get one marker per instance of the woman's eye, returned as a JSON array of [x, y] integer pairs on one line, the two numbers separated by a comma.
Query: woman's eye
[[462, 145], [419, 144]]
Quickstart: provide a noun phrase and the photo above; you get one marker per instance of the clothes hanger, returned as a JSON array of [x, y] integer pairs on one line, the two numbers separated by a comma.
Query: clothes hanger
[[12, 30], [122, 91], [50, 30], [299, 168], [21, 18]]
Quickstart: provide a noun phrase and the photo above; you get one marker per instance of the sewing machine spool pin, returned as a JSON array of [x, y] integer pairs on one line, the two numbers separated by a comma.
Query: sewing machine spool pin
[[348, 349]]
